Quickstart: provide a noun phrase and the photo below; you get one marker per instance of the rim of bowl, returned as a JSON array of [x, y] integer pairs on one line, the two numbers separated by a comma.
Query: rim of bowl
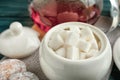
[[116, 53], [96, 30]]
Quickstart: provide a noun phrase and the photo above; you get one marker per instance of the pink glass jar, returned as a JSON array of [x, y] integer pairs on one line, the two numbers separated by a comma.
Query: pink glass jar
[[48, 13]]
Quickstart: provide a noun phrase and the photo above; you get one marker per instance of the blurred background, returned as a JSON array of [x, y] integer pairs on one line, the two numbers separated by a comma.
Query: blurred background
[[17, 10]]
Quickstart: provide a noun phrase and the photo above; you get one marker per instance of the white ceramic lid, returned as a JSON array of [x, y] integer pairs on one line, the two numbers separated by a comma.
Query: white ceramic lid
[[116, 53], [18, 41]]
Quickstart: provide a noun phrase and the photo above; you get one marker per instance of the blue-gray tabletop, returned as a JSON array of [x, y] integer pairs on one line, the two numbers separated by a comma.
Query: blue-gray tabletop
[[17, 10]]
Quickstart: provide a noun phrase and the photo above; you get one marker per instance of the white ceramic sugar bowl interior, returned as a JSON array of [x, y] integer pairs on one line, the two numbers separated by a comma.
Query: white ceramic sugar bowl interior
[[58, 68]]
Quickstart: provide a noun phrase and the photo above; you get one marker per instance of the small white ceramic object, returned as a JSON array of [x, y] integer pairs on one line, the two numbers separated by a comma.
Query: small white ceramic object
[[56, 67], [116, 53], [18, 41]]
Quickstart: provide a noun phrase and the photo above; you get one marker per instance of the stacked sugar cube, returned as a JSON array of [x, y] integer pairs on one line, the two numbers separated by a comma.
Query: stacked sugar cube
[[75, 43]]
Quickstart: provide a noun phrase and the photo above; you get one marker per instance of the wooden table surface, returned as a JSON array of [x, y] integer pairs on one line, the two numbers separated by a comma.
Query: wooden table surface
[[17, 10]]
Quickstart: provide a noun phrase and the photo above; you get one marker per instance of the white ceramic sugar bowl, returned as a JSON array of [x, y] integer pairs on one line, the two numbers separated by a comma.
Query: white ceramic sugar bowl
[[18, 41], [59, 68]]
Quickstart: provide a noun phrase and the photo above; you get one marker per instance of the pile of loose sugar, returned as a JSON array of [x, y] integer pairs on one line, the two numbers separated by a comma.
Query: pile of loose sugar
[[75, 43]]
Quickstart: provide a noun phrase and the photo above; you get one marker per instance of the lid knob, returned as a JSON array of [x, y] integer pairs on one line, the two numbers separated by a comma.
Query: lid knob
[[16, 28]]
